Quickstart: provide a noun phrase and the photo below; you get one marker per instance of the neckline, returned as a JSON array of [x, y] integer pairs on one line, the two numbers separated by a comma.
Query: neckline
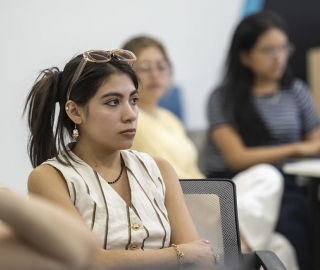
[[269, 98], [82, 162], [103, 182]]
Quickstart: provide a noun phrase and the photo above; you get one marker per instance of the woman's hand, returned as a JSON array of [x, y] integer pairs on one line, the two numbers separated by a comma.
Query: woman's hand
[[198, 254]]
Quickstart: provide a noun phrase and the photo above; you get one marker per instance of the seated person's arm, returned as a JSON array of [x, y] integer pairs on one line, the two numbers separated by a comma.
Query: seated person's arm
[[240, 157], [313, 135], [37, 235]]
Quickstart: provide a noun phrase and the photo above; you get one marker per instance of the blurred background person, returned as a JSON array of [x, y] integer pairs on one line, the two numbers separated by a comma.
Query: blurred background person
[[160, 132], [259, 114], [35, 234]]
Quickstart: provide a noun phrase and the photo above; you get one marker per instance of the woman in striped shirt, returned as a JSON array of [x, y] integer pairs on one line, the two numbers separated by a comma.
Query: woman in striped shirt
[[131, 202], [260, 115]]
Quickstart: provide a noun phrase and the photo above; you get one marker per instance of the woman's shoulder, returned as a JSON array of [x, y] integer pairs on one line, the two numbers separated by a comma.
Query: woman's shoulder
[[132, 157], [138, 162], [300, 91], [162, 164], [43, 169], [170, 119], [148, 161], [43, 176], [215, 98], [163, 112], [298, 86], [158, 165], [49, 169]]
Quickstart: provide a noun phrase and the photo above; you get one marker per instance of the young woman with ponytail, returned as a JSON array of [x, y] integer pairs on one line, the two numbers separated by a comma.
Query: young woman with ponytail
[[131, 202]]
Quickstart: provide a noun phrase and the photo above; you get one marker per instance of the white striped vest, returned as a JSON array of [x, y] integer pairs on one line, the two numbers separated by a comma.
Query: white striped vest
[[143, 225]]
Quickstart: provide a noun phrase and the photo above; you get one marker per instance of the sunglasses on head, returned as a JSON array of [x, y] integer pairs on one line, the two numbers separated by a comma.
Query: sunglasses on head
[[100, 56]]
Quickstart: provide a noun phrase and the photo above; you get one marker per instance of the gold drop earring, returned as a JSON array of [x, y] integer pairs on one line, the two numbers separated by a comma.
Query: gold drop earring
[[75, 133]]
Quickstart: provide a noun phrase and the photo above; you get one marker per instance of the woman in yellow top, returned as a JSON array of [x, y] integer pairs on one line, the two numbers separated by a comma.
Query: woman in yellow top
[[160, 132]]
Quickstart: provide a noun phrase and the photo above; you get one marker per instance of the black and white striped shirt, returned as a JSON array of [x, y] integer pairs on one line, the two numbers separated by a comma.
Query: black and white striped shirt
[[288, 116]]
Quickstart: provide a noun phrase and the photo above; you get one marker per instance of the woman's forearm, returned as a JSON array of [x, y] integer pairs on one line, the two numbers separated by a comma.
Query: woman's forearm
[[16, 254], [135, 260], [47, 228], [251, 156], [197, 254], [238, 156]]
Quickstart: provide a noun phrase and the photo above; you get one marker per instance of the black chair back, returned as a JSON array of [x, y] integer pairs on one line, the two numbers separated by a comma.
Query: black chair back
[[213, 208]]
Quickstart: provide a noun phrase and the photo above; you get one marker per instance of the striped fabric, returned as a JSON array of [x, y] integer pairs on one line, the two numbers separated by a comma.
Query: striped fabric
[[142, 225], [288, 115]]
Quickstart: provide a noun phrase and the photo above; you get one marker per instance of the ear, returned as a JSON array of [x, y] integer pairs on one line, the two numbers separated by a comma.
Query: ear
[[244, 58], [74, 112]]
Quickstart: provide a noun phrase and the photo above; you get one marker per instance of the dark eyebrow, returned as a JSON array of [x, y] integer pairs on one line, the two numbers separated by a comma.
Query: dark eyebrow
[[116, 94], [134, 92]]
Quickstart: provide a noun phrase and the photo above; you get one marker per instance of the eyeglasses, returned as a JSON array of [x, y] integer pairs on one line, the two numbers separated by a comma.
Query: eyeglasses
[[146, 67], [100, 56], [272, 52]]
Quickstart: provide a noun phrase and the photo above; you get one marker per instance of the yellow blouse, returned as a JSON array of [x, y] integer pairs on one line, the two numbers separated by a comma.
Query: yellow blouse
[[166, 137]]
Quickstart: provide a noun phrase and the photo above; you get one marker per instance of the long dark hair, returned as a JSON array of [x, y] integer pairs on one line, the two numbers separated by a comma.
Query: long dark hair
[[238, 80], [47, 139]]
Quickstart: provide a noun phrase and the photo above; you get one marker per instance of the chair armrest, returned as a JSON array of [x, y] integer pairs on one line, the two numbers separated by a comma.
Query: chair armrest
[[265, 258]]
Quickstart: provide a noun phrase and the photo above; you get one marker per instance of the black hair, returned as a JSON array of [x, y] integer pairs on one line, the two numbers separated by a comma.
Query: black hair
[[238, 80], [48, 139]]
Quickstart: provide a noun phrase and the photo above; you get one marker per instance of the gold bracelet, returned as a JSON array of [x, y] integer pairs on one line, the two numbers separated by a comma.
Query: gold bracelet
[[179, 255]]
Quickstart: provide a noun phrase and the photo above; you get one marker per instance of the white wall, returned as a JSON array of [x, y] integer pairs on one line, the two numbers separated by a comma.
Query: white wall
[[37, 34]]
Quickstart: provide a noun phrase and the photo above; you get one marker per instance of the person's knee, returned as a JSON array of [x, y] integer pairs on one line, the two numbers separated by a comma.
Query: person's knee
[[268, 169], [269, 174], [261, 176]]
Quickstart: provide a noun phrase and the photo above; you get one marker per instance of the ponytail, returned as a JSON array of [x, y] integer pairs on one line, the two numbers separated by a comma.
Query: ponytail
[[40, 107], [50, 134]]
